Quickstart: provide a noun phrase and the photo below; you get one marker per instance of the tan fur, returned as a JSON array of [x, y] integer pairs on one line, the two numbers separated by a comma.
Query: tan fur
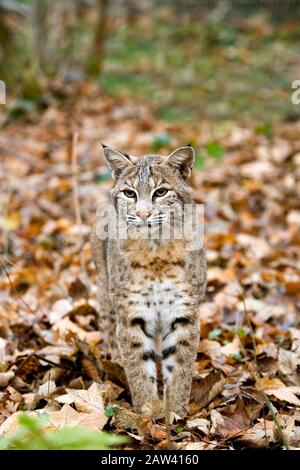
[[150, 290]]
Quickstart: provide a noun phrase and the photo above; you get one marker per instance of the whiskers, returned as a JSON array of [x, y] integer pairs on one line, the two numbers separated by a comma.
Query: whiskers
[[132, 220], [152, 220], [174, 227], [164, 225], [157, 219]]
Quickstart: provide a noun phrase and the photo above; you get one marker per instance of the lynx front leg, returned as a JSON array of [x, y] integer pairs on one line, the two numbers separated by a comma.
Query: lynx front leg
[[136, 340], [179, 348], [112, 336]]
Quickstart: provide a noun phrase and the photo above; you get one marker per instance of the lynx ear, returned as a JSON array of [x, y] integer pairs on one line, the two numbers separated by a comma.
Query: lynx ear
[[182, 159], [116, 160]]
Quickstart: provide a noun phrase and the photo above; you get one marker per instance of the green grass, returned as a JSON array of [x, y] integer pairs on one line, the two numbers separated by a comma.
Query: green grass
[[205, 70], [189, 70]]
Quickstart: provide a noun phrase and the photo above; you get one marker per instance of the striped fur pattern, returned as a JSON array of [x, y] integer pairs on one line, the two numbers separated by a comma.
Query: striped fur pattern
[[150, 289]]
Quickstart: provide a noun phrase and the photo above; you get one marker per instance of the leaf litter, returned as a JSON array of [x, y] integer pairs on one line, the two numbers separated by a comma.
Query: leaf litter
[[53, 358]]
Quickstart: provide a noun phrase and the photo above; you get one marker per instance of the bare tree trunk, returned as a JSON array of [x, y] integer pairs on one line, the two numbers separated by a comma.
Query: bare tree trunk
[[95, 59], [40, 11], [133, 11], [6, 47], [9, 10]]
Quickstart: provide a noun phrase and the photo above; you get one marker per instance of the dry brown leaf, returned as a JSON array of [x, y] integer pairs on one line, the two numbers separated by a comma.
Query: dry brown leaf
[[259, 435], [285, 395], [199, 445], [3, 342], [232, 419], [67, 329], [263, 310], [47, 388], [264, 384], [206, 391], [90, 368], [268, 348], [115, 373], [158, 432], [87, 401], [11, 424], [275, 387], [257, 247], [69, 417], [232, 348], [199, 423], [289, 367], [209, 347], [77, 289], [216, 420], [5, 378], [59, 310]]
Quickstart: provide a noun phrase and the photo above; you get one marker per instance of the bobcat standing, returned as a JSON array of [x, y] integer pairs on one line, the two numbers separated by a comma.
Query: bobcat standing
[[150, 288]]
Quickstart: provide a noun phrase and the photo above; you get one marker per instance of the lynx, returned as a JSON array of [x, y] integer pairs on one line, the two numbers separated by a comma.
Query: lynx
[[150, 287]]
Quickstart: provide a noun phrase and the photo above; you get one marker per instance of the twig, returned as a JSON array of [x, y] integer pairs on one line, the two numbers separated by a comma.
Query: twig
[[251, 329], [265, 428], [279, 428], [255, 374], [232, 436], [52, 363], [18, 297], [76, 200]]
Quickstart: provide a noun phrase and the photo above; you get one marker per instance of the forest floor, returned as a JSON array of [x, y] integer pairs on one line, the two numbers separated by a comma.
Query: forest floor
[[53, 360]]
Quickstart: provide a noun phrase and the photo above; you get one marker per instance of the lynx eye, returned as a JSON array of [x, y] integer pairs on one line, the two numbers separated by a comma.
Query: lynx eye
[[160, 192], [129, 193]]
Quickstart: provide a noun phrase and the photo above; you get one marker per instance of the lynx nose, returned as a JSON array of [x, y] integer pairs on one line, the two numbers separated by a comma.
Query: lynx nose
[[143, 214]]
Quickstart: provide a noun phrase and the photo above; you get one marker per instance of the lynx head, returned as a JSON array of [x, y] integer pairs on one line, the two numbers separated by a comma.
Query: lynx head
[[152, 189]]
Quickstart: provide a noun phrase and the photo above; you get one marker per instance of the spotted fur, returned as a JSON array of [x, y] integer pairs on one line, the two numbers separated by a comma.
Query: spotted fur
[[150, 290]]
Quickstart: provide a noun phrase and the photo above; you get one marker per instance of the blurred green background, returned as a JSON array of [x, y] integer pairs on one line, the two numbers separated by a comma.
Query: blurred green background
[[192, 60]]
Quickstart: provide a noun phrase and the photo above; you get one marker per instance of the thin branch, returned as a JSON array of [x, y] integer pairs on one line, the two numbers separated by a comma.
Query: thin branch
[[279, 428], [18, 297], [76, 200], [52, 363], [251, 329]]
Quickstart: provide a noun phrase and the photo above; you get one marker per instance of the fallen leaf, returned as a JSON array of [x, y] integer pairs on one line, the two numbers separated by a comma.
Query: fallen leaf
[[258, 436], [199, 445], [233, 348], [47, 388], [115, 373], [59, 310], [11, 424], [87, 401], [278, 389], [5, 378], [206, 391], [289, 367], [199, 423], [69, 417], [158, 432], [231, 420]]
